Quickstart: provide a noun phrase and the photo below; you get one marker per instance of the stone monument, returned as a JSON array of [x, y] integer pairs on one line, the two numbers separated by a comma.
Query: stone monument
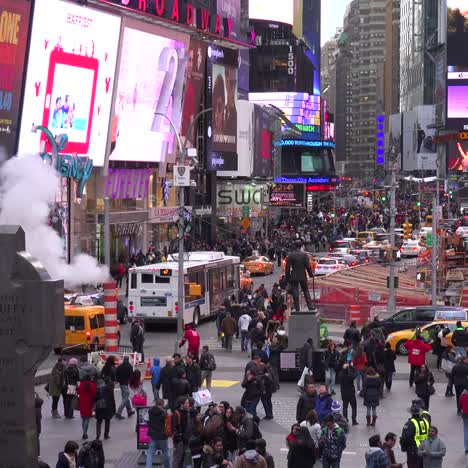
[[31, 323]]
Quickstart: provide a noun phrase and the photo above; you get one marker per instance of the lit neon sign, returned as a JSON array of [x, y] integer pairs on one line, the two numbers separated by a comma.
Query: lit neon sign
[[380, 135], [319, 187], [303, 180], [315, 144]]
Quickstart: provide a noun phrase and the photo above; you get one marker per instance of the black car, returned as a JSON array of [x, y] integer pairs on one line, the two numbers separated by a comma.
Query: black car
[[98, 299], [413, 317]]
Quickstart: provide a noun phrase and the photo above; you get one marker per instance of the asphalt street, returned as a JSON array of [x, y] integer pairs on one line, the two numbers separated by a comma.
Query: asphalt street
[[159, 342]]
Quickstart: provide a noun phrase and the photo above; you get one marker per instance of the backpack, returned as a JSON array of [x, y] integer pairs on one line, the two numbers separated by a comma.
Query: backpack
[[169, 423], [211, 362]]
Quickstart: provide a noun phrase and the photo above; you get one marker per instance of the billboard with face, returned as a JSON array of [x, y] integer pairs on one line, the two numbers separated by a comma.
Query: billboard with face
[[14, 15], [150, 83]]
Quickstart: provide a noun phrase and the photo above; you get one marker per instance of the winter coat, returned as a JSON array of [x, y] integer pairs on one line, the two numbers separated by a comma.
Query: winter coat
[[56, 380], [332, 442], [86, 369], [460, 374], [347, 377], [86, 398], [62, 461], [423, 382], [432, 452], [71, 376], [193, 376], [257, 337], [124, 372], [301, 450], [105, 391], [341, 421], [389, 358], [180, 387], [306, 359], [156, 423], [250, 459], [206, 361], [155, 372], [353, 335], [417, 350], [323, 406], [376, 458], [360, 362], [228, 326], [193, 339], [253, 389], [331, 359], [305, 404], [464, 404], [372, 385], [137, 337], [165, 380], [460, 337], [244, 322]]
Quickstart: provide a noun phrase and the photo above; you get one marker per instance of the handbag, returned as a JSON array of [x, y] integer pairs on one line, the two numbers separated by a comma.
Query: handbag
[[75, 404], [140, 399], [431, 390], [100, 404], [305, 372], [202, 397]]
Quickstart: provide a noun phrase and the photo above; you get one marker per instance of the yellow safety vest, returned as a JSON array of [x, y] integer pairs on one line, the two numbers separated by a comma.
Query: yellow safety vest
[[421, 430]]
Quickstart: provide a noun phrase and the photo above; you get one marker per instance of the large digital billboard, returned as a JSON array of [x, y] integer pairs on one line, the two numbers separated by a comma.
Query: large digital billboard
[[222, 98], [14, 16], [70, 77], [150, 82], [263, 159], [277, 11]]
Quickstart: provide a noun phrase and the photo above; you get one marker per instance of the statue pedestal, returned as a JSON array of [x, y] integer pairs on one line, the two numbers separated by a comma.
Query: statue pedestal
[[301, 326]]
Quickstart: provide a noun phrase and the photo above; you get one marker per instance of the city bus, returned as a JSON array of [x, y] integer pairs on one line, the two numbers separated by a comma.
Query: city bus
[[210, 277]]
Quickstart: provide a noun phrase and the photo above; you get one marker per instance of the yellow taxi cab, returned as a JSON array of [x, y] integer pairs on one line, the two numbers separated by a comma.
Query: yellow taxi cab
[[313, 262], [246, 281], [258, 264], [366, 236], [398, 339]]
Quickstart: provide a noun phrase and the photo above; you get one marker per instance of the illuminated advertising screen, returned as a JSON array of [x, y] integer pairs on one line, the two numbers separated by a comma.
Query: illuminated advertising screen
[[457, 98], [13, 41], [263, 161], [457, 155], [70, 78], [222, 98], [196, 68], [139, 132], [276, 11], [291, 195]]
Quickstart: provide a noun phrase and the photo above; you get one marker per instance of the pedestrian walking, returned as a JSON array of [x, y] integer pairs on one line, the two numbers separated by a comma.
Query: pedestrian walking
[[68, 458], [360, 364], [432, 450], [180, 387], [207, 366], [464, 412], [193, 372], [387, 447], [253, 391], [243, 324], [168, 373], [157, 432], [352, 334], [315, 429], [306, 402], [105, 406], [460, 379], [371, 393], [375, 456], [417, 350], [123, 374], [348, 392], [228, 328], [55, 386], [250, 458], [38, 402], [137, 338], [261, 447], [331, 362], [415, 430], [182, 433], [332, 443], [389, 358], [323, 403], [301, 449], [424, 381], [460, 339], [191, 336], [155, 372], [86, 398]]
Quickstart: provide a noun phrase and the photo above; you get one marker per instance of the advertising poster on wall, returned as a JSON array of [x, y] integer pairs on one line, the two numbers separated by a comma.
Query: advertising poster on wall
[[395, 134], [289, 195], [70, 78], [263, 163], [196, 67], [14, 16], [138, 132], [232, 198], [222, 97]]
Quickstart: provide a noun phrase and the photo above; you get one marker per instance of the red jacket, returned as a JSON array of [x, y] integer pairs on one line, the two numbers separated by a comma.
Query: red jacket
[[86, 398], [464, 403], [360, 363], [193, 339], [417, 350]]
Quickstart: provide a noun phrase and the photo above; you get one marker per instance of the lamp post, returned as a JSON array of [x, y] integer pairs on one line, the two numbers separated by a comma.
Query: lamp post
[[180, 279], [391, 306]]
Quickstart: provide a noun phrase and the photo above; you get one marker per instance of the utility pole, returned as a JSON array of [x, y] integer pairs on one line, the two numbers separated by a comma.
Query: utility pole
[[435, 223], [391, 306]]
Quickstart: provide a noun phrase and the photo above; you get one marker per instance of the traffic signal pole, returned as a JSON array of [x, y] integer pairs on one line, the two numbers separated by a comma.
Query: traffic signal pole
[[435, 223], [391, 305]]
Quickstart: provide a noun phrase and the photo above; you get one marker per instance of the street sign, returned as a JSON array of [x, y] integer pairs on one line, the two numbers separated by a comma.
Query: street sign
[[181, 176], [429, 239], [421, 276], [375, 297], [246, 211], [245, 223]]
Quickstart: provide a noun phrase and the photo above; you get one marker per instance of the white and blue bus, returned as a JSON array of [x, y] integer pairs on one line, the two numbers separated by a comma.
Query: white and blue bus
[[209, 278]]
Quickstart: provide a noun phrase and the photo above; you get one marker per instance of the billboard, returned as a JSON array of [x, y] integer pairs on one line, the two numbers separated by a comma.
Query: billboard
[[231, 198], [138, 132], [245, 141], [419, 150], [196, 67], [277, 11], [222, 98], [13, 42], [394, 128], [457, 155], [291, 195], [70, 78], [262, 161]]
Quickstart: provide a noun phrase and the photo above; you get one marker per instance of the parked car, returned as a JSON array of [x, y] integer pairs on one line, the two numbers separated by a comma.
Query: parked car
[[419, 316]]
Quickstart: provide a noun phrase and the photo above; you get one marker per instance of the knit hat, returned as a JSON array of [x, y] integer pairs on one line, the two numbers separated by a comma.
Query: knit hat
[[336, 406]]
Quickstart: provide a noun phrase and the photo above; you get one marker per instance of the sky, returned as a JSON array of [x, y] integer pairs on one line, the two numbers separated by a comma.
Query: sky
[[332, 17]]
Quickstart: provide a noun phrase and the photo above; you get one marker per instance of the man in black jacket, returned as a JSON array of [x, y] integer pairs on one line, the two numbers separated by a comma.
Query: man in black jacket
[[180, 387], [157, 425], [460, 339], [460, 379], [348, 392], [123, 373], [168, 372], [297, 265], [306, 402], [352, 334], [192, 369], [307, 352]]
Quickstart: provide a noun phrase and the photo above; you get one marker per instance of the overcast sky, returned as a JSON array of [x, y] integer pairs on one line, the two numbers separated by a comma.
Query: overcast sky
[[332, 17]]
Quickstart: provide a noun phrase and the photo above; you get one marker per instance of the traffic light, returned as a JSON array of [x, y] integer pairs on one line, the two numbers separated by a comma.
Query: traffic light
[[407, 230], [418, 203], [384, 198]]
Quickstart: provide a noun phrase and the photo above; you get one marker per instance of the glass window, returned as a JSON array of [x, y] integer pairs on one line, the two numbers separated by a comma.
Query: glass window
[[147, 278], [93, 322], [133, 281], [153, 301], [425, 315], [405, 316], [230, 281], [162, 280], [101, 320], [74, 323]]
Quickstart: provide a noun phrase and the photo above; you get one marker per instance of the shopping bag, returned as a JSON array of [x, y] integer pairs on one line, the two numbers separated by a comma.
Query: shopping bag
[[305, 372], [202, 397]]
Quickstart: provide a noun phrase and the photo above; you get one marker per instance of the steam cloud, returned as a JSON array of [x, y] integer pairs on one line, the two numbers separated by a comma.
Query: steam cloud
[[27, 190]]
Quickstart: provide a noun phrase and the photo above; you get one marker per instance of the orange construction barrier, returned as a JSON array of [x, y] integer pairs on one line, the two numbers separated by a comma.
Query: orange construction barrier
[[464, 297], [355, 314], [148, 369]]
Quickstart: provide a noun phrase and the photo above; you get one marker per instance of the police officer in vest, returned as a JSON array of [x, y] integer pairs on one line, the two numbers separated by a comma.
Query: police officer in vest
[[414, 432], [297, 265], [424, 413]]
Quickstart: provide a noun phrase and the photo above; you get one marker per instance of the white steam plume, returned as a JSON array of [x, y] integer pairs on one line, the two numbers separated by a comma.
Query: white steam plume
[[27, 191]]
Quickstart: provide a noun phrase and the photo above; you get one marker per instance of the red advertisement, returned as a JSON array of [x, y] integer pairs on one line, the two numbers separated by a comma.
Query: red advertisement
[[14, 26]]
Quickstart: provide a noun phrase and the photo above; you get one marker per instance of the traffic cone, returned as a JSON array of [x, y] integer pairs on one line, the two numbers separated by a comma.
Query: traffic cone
[[148, 369]]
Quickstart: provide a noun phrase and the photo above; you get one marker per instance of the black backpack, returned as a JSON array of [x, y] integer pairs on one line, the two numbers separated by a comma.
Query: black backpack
[[211, 362]]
